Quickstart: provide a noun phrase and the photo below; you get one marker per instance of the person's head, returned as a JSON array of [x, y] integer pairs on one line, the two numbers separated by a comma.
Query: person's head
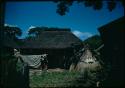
[[16, 51]]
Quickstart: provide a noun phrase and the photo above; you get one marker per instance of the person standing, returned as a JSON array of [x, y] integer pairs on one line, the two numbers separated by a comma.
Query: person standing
[[44, 62]]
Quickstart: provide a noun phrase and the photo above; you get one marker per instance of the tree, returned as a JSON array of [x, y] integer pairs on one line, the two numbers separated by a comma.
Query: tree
[[36, 31], [63, 5], [12, 31], [94, 42]]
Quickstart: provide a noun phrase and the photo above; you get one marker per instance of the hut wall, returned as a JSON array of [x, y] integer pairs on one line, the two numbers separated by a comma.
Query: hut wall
[[59, 58], [113, 37]]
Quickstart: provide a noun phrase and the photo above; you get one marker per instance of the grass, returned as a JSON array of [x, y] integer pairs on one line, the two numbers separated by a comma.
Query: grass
[[54, 79], [64, 79], [86, 78]]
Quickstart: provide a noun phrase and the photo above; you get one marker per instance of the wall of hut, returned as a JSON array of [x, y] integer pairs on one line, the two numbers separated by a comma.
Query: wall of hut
[[113, 55], [57, 57]]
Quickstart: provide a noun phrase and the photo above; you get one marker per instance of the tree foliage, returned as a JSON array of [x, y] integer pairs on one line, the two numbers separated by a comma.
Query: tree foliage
[[12, 32], [64, 5], [36, 31], [94, 42]]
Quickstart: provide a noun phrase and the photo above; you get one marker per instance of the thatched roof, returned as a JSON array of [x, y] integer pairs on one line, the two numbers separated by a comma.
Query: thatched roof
[[87, 56], [115, 27], [87, 61], [49, 39], [113, 36]]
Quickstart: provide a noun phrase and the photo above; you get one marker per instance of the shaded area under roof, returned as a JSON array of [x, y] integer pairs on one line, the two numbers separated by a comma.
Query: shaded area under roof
[[9, 42]]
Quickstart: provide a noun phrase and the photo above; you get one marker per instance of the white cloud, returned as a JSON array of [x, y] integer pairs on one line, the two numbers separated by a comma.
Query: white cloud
[[5, 24], [82, 35], [32, 27], [10, 25]]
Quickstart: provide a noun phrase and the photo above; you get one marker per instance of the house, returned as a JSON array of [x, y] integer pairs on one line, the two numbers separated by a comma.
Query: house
[[113, 36], [59, 44]]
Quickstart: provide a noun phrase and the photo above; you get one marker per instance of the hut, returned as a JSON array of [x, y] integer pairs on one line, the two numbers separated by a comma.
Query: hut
[[113, 35], [87, 61], [59, 44]]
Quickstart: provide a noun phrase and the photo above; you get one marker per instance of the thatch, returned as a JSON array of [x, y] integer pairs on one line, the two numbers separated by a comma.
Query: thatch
[[52, 39], [56, 43], [87, 61]]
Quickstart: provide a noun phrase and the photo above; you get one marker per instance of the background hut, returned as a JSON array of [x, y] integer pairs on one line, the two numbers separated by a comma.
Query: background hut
[[113, 35], [58, 44], [87, 61]]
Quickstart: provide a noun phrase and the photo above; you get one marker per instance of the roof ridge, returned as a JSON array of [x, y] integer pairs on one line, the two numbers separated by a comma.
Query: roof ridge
[[56, 30]]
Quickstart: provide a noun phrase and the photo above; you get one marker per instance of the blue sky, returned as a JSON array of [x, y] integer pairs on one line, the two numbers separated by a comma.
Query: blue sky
[[83, 21]]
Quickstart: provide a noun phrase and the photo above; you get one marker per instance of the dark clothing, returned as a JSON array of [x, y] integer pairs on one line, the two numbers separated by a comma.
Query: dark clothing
[[44, 63]]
